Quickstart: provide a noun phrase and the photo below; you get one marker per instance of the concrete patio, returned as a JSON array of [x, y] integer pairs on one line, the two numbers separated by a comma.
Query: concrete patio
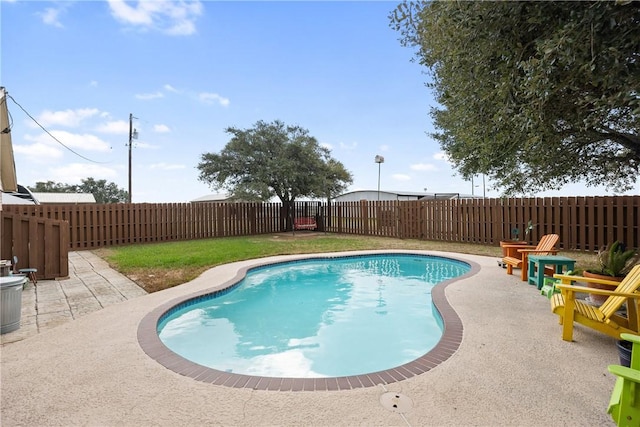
[[91, 286], [512, 368]]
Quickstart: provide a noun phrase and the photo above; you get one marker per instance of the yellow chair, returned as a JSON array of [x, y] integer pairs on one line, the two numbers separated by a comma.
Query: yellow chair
[[624, 405], [517, 255], [605, 318]]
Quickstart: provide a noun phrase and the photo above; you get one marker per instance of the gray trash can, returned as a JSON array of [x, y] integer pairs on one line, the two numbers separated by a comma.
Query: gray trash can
[[11, 302]]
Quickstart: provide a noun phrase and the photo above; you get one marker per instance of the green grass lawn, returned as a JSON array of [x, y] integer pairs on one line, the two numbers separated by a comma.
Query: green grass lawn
[[158, 266]]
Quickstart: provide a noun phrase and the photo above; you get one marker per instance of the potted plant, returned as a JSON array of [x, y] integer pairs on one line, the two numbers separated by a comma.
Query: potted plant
[[515, 240], [614, 262], [624, 352]]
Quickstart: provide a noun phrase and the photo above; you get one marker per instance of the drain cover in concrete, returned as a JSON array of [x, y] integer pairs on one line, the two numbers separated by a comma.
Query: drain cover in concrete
[[396, 402]]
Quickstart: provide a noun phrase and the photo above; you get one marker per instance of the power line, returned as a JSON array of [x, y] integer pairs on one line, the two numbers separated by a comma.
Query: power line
[[49, 133]]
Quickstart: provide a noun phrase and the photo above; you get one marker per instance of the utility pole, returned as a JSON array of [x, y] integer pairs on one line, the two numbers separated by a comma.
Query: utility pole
[[133, 134]]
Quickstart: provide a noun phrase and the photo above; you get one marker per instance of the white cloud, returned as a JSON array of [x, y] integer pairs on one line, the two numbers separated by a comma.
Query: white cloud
[[51, 15], [182, 28], [348, 147], [204, 97], [166, 166], [147, 96], [169, 17], [39, 152], [69, 118], [119, 127], [145, 145], [400, 177], [326, 145], [423, 167], [74, 173], [129, 15], [210, 98], [384, 147], [71, 140], [93, 83], [161, 128], [441, 155]]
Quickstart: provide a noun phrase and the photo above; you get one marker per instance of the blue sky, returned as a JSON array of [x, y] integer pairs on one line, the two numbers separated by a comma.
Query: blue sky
[[188, 70]]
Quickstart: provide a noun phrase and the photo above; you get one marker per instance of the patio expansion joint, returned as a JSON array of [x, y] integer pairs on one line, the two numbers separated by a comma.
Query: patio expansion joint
[[246, 402], [35, 301], [91, 289]]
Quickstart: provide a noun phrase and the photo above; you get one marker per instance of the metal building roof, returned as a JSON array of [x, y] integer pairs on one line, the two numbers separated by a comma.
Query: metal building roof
[[72, 198]]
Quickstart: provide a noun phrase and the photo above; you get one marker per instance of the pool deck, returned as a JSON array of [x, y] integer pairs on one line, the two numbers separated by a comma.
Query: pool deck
[[512, 367]]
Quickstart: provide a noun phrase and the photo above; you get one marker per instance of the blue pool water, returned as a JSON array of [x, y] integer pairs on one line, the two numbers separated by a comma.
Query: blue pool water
[[322, 317]]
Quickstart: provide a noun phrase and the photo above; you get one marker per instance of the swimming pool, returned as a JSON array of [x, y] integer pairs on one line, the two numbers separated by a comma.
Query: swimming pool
[[379, 286]]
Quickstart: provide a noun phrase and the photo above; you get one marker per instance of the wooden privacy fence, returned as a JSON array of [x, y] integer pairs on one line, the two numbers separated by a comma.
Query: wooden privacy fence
[[96, 226], [40, 243], [583, 223]]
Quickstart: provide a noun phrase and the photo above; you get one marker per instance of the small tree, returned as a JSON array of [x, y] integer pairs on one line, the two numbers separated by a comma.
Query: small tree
[[273, 159]]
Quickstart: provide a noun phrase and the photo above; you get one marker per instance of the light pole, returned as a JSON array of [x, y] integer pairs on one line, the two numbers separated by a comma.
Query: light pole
[[473, 186], [379, 160], [484, 188], [133, 134]]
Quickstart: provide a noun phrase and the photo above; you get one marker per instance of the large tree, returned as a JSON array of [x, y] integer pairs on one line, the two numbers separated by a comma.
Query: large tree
[[533, 94], [102, 191], [273, 159]]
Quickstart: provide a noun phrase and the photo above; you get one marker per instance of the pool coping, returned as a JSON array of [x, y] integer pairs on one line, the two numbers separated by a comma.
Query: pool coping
[[449, 343]]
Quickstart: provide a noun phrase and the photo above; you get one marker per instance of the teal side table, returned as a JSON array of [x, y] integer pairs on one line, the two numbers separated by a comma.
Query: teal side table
[[537, 264]]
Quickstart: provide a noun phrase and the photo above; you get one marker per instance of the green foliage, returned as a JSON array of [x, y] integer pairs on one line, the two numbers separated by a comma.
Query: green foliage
[[515, 232], [533, 94], [102, 191], [206, 253], [528, 228], [272, 159], [52, 187], [615, 261], [173, 263]]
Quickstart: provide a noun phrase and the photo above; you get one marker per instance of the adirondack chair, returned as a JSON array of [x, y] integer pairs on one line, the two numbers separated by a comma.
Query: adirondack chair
[[517, 255], [624, 406], [604, 318], [31, 273]]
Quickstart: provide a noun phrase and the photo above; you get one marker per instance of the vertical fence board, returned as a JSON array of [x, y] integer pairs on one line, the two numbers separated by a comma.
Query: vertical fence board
[[632, 205], [590, 217], [600, 224]]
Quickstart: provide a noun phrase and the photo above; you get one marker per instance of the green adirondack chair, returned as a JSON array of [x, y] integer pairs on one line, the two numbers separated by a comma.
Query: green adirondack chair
[[624, 406]]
